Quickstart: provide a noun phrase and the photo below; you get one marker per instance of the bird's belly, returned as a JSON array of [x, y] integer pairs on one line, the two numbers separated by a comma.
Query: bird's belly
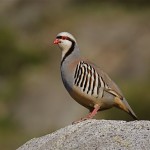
[[83, 100], [88, 100]]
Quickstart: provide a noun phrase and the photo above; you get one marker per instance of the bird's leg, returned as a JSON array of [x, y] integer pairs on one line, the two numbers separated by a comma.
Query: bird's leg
[[94, 112], [90, 115]]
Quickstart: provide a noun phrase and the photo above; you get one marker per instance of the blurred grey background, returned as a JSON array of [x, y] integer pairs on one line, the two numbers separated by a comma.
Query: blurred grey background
[[115, 35]]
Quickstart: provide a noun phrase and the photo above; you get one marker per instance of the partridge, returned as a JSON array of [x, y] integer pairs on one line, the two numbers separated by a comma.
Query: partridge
[[86, 83]]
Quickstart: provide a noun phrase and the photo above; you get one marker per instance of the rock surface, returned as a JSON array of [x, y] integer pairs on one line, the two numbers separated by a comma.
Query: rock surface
[[95, 135]]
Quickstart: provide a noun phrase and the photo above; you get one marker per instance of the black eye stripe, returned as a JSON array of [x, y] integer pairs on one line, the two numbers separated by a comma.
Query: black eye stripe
[[59, 37], [67, 38]]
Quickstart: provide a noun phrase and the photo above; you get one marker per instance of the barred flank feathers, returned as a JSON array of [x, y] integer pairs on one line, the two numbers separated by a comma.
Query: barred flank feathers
[[88, 80]]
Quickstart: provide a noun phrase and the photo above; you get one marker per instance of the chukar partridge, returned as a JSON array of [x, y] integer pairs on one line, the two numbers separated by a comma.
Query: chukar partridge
[[87, 83]]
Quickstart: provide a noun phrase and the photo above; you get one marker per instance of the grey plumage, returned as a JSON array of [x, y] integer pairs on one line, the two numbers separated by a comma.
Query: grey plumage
[[87, 83]]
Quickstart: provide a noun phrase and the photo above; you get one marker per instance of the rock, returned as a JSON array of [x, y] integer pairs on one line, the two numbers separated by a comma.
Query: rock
[[95, 135]]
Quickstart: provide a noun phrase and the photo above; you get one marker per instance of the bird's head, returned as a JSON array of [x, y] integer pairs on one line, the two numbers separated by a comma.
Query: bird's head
[[65, 40]]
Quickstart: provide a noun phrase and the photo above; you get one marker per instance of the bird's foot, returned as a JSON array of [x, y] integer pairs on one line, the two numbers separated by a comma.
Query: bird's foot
[[90, 115], [82, 119]]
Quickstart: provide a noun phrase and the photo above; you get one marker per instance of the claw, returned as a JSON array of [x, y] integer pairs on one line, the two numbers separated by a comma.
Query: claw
[[89, 116], [82, 119]]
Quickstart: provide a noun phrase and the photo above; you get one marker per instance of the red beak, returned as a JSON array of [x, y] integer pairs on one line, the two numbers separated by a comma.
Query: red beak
[[56, 41]]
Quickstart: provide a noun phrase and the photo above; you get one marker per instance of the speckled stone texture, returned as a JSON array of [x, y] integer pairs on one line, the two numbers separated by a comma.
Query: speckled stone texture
[[95, 135]]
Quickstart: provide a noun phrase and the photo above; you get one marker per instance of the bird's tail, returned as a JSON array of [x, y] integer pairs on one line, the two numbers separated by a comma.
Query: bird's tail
[[123, 104]]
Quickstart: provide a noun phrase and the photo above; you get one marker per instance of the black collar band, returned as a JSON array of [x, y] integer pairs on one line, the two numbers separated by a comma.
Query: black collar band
[[71, 49]]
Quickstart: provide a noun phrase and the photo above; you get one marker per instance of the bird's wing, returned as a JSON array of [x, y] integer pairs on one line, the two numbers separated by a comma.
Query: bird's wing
[[110, 87]]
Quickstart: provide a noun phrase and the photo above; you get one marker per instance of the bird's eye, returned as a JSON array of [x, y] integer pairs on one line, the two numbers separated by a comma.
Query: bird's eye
[[64, 37]]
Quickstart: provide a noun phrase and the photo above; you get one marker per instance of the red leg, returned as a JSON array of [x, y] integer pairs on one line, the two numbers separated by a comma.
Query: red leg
[[90, 115], [94, 112]]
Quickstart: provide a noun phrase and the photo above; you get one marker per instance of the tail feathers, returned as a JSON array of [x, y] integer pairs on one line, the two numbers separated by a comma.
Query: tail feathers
[[132, 114], [123, 104], [130, 111]]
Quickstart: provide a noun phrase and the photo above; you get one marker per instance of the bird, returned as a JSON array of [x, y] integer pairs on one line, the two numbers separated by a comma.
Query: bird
[[86, 83]]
